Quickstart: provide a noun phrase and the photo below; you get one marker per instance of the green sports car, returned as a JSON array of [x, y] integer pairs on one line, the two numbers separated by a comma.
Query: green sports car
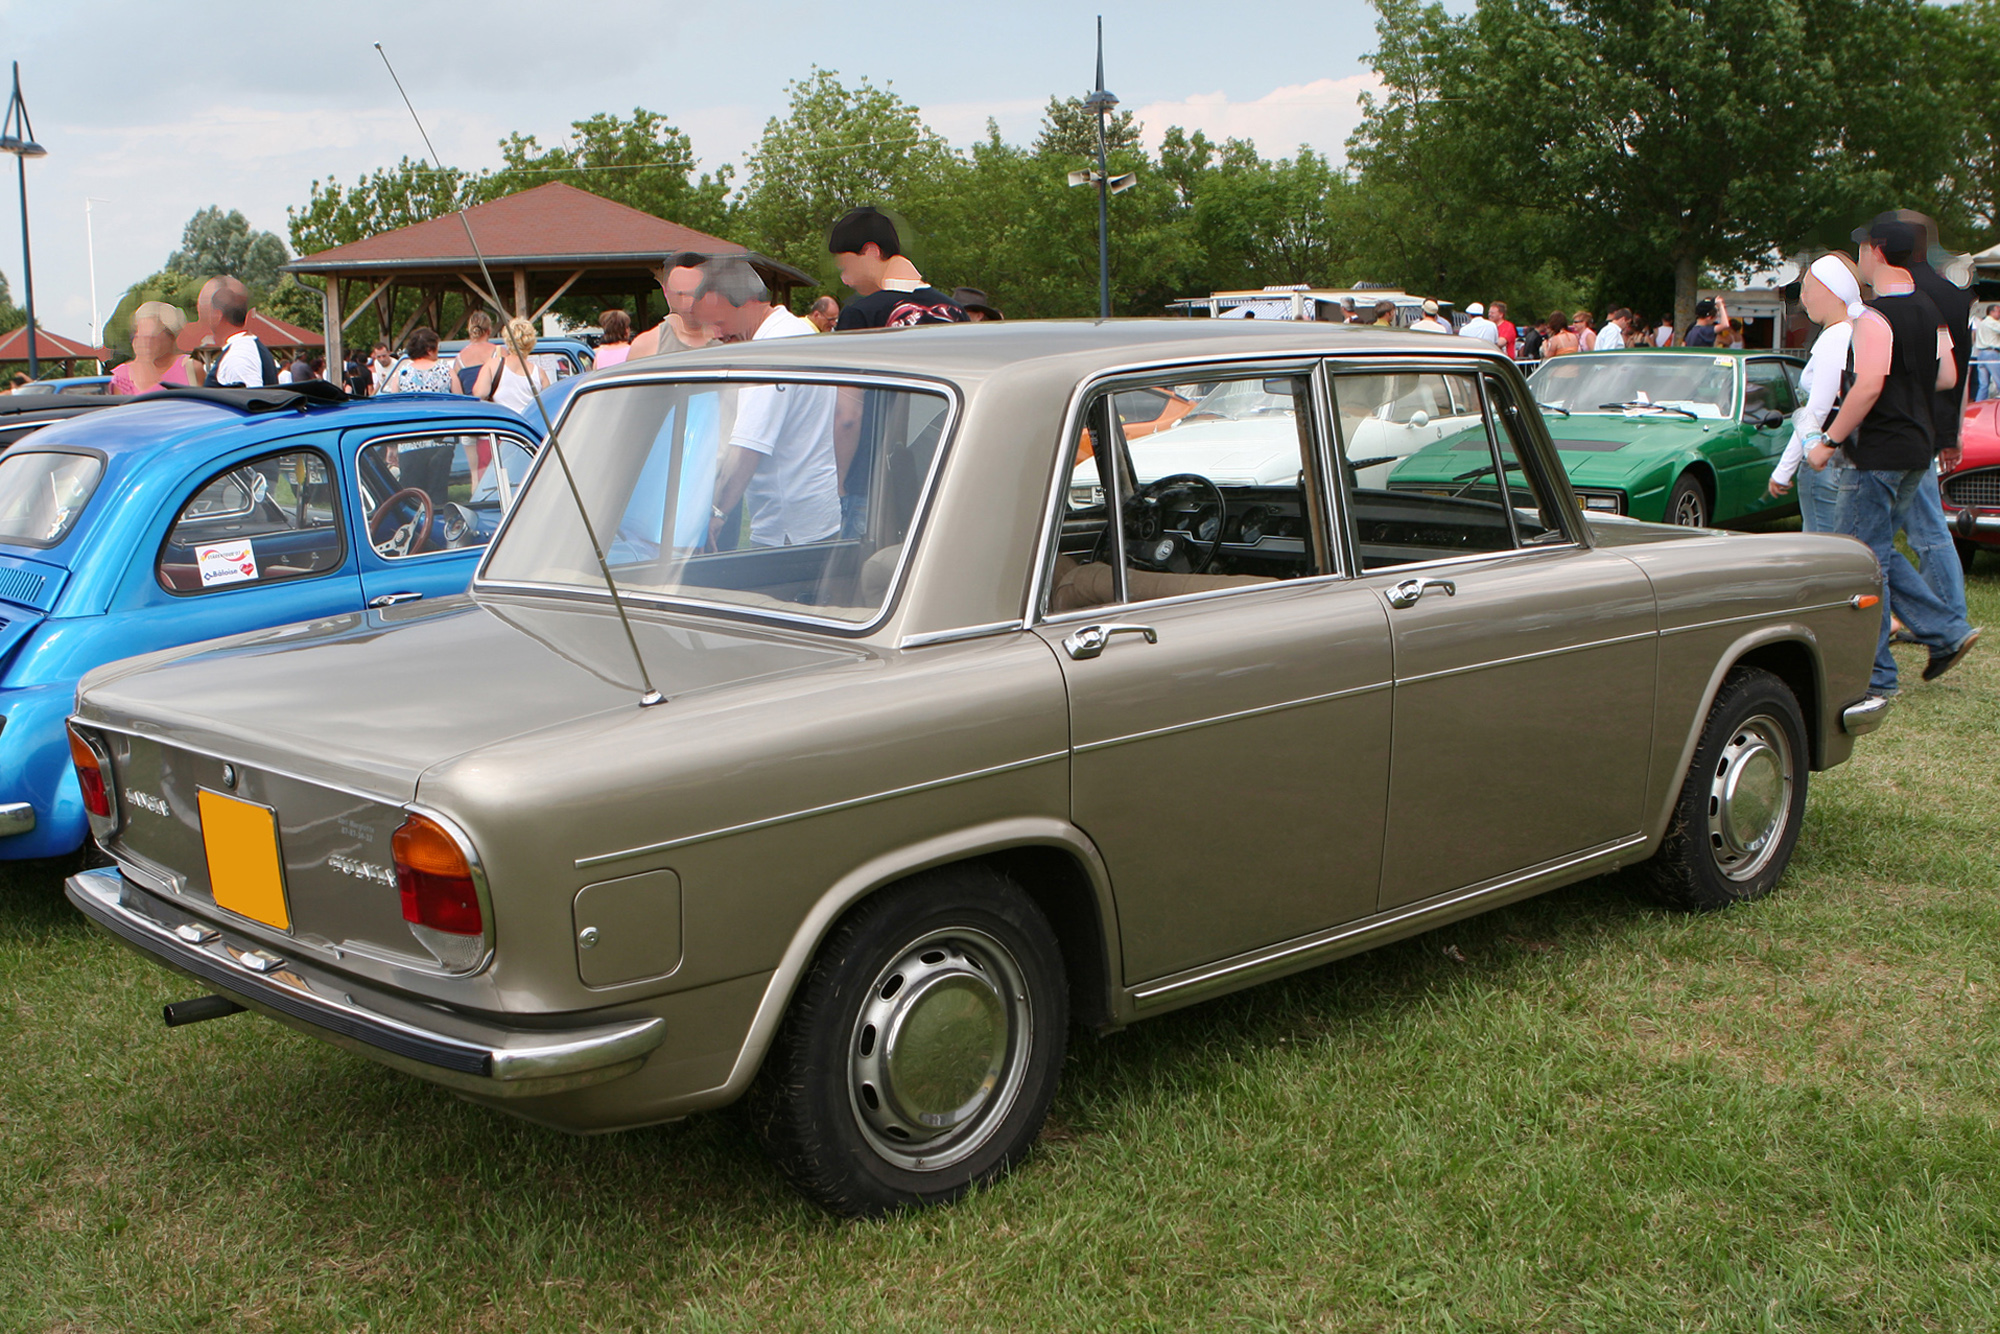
[[1681, 435]]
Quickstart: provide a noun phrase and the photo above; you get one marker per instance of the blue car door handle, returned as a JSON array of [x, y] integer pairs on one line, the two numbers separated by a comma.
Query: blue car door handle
[[391, 599]]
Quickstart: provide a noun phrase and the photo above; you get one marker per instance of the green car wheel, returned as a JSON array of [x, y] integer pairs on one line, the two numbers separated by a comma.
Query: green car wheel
[[1687, 503]]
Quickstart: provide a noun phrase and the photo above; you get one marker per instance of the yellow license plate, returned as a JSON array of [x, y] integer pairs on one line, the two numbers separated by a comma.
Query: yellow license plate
[[244, 870]]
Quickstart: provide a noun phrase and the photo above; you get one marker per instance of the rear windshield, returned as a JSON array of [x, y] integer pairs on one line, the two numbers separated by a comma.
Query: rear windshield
[[786, 497], [42, 494]]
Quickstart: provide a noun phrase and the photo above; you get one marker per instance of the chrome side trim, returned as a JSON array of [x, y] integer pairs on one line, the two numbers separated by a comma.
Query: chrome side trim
[[1758, 616], [17, 817], [481, 1057], [1527, 657], [1864, 716], [1233, 717], [602, 858], [1294, 954], [960, 635]]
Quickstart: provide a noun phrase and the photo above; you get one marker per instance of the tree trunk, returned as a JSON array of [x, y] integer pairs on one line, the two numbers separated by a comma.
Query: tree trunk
[[1687, 273]]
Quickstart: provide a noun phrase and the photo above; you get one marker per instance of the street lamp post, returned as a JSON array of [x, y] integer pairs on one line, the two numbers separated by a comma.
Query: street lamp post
[[1102, 103], [17, 136]]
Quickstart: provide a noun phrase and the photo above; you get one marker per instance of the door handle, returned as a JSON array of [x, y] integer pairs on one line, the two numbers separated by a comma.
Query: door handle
[[1411, 591], [391, 599], [1091, 639]]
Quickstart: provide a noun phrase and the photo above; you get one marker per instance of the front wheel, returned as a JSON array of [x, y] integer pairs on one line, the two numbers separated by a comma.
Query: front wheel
[[1687, 503], [1737, 820], [921, 1052]]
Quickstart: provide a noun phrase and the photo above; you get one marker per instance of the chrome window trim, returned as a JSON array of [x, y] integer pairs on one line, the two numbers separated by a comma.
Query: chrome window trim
[[749, 826], [1099, 613], [532, 447], [1551, 467], [1035, 611], [960, 635], [912, 538]]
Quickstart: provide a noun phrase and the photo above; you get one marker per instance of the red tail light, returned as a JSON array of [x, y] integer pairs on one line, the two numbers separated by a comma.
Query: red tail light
[[90, 776], [435, 879]]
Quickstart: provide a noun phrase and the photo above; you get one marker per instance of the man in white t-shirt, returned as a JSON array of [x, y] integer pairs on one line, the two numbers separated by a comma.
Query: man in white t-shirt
[[780, 458], [1432, 321], [1479, 326], [223, 308], [1611, 338]]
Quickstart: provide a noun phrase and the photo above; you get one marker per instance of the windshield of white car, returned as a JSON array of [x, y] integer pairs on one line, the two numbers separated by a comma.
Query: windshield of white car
[[788, 497], [1664, 386], [1239, 400], [43, 494]]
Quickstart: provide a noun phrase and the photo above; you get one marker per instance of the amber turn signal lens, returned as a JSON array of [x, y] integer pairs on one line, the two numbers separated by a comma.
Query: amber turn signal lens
[[434, 879], [1863, 601], [89, 776]]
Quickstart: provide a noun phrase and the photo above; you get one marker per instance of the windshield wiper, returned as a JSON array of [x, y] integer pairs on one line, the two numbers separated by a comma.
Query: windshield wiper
[[1647, 407], [1552, 407]]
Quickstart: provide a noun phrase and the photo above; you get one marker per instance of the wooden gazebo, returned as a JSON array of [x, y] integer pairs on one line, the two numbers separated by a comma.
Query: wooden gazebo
[[540, 245], [274, 333], [50, 347]]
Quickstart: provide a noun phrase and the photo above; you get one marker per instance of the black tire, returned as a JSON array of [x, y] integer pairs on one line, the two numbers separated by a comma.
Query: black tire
[[1968, 554], [1726, 842], [963, 957], [1687, 503]]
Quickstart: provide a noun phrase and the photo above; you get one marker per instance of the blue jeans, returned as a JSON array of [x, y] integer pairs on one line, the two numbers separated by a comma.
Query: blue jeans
[[1869, 504], [1986, 374], [1921, 518], [1819, 496]]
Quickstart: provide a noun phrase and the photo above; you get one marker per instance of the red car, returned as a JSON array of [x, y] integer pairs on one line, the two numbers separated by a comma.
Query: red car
[[1972, 489]]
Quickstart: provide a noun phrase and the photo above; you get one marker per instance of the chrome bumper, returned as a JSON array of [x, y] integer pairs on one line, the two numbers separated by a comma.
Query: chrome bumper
[[16, 817], [453, 1049], [1864, 717], [1971, 523]]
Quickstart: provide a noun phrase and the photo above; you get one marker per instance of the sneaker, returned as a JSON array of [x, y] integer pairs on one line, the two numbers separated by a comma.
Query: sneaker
[[1941, 663]]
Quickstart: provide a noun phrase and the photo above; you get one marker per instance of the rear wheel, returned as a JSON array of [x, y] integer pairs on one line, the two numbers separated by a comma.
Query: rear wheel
[[1737, 820], [1687, 503], [921, 1052]]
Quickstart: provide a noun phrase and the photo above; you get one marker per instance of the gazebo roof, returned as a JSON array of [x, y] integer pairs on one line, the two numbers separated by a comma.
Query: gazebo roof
[[550, 225], [48, 347], [270, 330]]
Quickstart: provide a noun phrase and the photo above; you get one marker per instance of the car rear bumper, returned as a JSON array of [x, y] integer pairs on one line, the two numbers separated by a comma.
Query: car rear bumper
[[16, 817], [1864, 716], [446, 1047]]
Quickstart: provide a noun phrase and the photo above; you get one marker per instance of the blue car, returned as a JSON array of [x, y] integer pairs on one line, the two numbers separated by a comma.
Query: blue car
[[209, 512]]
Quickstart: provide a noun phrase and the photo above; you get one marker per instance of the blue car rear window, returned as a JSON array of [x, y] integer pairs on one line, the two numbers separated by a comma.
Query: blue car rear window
[[43, 493]]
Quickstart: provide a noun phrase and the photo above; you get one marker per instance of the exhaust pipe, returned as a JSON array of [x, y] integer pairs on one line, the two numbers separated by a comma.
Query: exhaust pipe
[[198, 1009]]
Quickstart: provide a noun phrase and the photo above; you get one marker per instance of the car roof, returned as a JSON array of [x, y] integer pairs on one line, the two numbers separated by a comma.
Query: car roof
[[187, 421], [1088, 347]]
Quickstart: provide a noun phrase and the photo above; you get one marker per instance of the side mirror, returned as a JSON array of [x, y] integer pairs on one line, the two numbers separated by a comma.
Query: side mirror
[[1765, 419], [1420, 419]]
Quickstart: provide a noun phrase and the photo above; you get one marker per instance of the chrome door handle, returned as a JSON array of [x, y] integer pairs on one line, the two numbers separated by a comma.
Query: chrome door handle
[[1411, 591], [1091, 639], [391, 599]]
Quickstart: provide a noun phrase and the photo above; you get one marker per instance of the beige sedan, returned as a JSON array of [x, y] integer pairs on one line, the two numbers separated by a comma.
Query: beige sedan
[[856, 798]]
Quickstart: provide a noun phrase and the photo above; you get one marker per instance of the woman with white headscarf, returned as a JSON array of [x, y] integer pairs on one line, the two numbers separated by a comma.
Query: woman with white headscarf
[[1832, 295]]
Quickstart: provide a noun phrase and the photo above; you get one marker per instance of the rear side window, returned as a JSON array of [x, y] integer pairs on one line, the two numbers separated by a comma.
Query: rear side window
[[261, 522], [43, 494]]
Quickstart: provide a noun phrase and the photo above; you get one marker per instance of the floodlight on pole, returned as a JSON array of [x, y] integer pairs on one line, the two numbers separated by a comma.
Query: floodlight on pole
[[17, 136]]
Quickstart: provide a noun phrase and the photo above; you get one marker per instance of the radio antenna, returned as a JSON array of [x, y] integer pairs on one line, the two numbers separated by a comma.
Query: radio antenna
[[648, 694]]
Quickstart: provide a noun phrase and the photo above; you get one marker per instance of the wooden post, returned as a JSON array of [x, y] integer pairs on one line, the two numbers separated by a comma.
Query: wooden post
[[521, 293], [330, 318]]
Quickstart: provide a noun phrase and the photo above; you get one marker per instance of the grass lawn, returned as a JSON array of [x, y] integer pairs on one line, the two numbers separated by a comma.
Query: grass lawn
[[1577, 1114]]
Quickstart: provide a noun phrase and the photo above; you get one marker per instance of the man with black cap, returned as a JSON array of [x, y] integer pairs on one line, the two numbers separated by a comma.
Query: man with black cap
[[1922, 519], [1902, 358]]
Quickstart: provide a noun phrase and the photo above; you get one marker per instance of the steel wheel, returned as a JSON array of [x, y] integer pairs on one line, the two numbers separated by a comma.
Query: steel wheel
[[939, 1049], [1687, 503], [1750, 798]]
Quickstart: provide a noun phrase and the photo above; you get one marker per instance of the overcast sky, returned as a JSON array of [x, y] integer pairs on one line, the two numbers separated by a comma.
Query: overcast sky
[[159, 111]]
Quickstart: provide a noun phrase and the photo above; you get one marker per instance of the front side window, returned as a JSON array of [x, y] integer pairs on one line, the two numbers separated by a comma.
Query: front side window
[[42, 495], [261, 522], [786, 496], [1464, 493], [1766, 388], [432, 493], [1216, 499]]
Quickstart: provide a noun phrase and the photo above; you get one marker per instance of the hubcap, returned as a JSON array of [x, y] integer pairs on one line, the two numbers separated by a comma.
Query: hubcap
[[1750, 798], [1687, 510], [940, 1048]]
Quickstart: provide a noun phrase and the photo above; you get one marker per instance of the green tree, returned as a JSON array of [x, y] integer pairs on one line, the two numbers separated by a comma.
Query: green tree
[[410, 192], [12, 316], [643, 162], [214, 242], [1069, 129], [836, 149]]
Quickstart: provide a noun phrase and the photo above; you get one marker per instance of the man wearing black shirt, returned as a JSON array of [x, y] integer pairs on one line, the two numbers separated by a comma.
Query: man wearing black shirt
[[889, 292]]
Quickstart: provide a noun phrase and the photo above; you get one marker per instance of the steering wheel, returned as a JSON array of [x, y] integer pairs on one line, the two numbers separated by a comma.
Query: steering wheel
[[1147, 542], [408, 539]]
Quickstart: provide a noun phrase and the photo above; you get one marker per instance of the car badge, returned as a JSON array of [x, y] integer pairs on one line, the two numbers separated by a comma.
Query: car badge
[[360, 870], [146, 801]]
